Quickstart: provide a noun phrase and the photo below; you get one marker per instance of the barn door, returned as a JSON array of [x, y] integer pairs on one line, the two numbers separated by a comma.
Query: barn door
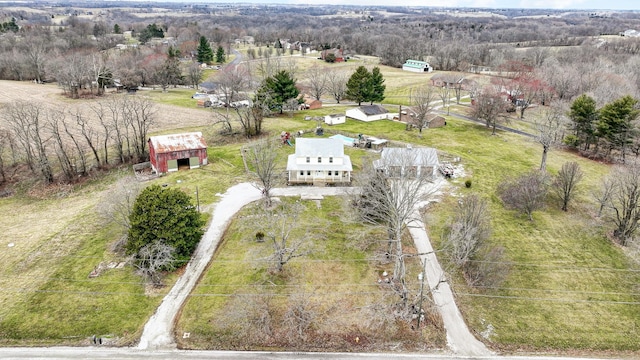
[[194, 162], [172, 165]]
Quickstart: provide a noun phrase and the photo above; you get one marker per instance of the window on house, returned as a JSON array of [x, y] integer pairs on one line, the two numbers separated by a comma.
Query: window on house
[[319, 159], [329, 172], [308, 159], [301, 172], [308, 172], [331, 160]]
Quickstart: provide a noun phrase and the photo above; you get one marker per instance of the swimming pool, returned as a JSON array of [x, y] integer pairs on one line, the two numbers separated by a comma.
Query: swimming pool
[[347, 140]]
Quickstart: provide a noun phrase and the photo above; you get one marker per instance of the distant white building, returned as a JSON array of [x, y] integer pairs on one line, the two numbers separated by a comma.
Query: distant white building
[[630, 33], [335, 119], [417, 66], [368, 113], [319, 161]]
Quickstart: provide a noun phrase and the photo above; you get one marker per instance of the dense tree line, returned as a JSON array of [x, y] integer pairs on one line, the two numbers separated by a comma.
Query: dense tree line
[[44, 139]]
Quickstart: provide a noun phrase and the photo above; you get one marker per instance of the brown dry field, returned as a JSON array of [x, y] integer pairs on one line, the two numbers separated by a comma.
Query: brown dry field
[[51, 96]]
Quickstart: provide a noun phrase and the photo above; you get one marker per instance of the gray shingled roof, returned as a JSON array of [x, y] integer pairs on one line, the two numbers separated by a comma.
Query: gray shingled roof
[[407, 156], [314, 148], [373, 110], [319, 147]]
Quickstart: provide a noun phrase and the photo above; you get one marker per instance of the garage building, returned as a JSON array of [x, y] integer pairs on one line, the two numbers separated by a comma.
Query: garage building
[[168, 153]]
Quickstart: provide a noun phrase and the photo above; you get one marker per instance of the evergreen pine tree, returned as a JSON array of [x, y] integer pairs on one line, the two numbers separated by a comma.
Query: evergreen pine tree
[[277, 90], [220, 55], [376, 86], [205, 53], [358, 85]]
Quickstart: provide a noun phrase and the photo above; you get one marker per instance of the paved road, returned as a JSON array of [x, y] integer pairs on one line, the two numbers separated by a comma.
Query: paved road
[[72, 353]]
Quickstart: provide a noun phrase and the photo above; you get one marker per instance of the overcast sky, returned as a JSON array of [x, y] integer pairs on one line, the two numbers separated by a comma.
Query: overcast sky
[[539, 4]]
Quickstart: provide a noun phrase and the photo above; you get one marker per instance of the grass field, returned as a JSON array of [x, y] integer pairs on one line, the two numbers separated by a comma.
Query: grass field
[[241, 304], [569, 289]]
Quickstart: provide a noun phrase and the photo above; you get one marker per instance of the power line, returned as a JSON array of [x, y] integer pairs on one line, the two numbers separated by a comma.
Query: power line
[[551, 299]]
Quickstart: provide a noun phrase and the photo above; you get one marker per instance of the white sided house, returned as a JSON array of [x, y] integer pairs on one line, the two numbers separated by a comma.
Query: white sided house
[[368, 113], [408, 162], [417, 66], [335, 119], [319, 162]]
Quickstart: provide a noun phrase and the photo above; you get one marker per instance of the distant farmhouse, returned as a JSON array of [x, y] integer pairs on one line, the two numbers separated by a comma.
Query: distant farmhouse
[[168, 153], [417, 66]]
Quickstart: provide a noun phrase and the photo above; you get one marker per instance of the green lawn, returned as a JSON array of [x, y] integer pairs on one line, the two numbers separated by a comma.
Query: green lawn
[[569, 286], [241, 304]]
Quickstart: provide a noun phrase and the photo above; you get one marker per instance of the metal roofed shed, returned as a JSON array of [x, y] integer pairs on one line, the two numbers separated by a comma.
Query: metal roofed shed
[[408, 162], [168, 153]]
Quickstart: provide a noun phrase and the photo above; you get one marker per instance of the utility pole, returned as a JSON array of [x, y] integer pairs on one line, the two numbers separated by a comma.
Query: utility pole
[[197, 198], [421, 278]]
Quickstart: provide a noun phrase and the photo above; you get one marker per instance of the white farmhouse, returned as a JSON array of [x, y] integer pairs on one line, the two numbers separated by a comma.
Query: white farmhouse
[[319, 162]]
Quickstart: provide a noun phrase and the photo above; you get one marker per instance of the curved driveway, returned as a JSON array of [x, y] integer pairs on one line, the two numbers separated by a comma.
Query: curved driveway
[[158, 332]]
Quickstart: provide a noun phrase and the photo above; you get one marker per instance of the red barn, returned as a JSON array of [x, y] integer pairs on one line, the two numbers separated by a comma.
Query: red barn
[[170, 152]]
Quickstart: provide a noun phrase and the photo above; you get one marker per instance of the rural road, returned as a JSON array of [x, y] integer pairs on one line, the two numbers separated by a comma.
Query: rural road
[[158, 332], [72, 353]]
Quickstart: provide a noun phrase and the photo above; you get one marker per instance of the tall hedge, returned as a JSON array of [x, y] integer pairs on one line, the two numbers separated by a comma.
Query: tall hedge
[[168, 215]]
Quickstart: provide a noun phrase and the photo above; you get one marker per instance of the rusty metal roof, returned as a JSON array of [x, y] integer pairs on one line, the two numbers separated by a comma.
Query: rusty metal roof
[[177, 142]]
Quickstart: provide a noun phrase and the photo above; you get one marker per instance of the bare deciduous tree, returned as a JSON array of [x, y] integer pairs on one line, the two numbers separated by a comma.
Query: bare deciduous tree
[[603, 195], [490, 268], [525, 193], [6, 143], [317, 80], [194, 75], [624, 202], [391, 194], [490, 107], [422, 100], [251, 118], [566, 182], [139, 113], [117, 203], [337, 84], [550, 128], [302, 313], [90, 135], [279, 226], [469, 229], [232, 81], [152, 259], [265, 168], [27, 122]]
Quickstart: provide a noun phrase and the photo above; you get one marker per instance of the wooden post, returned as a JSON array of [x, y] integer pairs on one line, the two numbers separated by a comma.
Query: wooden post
[[244, 161]]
